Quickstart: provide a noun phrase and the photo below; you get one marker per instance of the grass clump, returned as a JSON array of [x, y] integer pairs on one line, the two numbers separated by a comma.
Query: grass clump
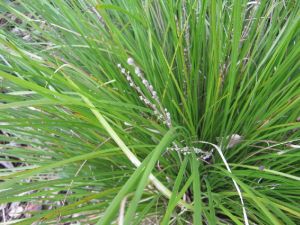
[[174, 112]]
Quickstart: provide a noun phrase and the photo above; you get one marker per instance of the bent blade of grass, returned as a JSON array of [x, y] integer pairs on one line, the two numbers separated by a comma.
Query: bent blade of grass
[[255, 197], [234, 182]]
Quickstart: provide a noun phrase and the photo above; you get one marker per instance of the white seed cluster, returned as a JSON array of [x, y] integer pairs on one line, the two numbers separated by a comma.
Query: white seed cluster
[[161, 113], [138, 89], [146, 83], [186, 150]]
